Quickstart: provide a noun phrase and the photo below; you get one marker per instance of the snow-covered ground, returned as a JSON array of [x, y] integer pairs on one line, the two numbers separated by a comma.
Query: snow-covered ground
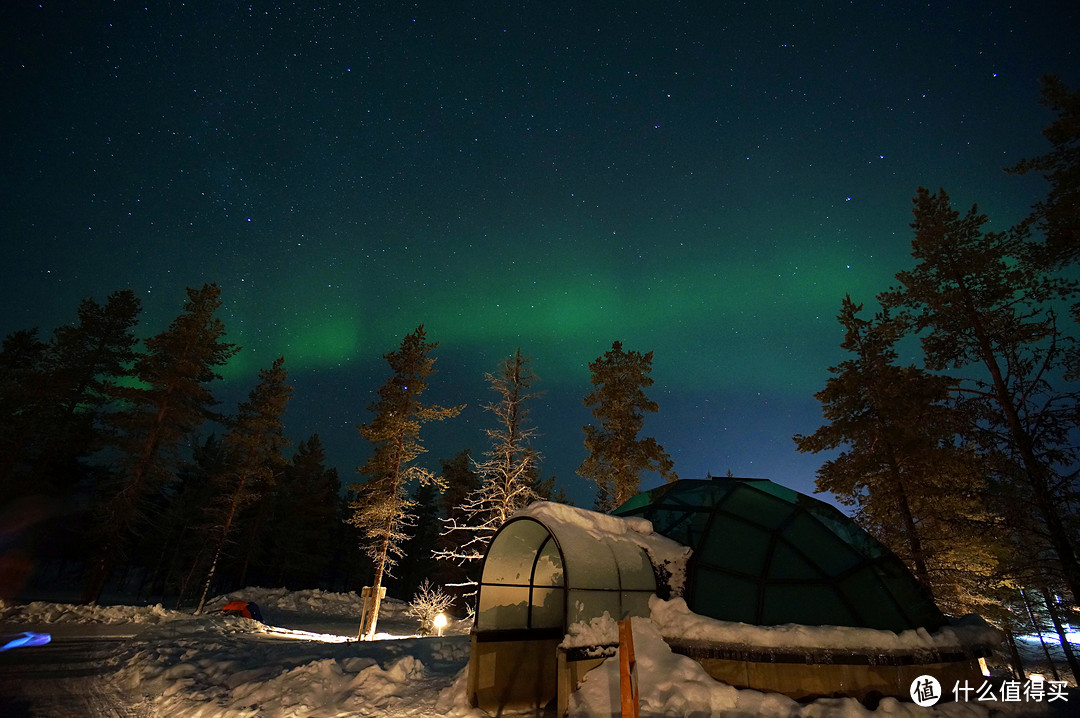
[[303, 662]]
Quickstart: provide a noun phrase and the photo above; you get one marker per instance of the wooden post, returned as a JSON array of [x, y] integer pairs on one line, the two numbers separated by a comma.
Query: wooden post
[[628, 682], [370, 601]]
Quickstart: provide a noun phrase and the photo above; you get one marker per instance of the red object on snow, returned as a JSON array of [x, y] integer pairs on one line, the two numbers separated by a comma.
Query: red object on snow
[[238, 607]]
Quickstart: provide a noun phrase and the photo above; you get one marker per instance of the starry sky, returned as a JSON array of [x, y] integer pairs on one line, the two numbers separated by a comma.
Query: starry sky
[[701, 180]]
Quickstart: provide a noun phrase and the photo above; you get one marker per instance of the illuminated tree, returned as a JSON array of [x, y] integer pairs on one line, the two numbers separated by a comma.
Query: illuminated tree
[[382, 507], [616, 455], [982, 302]]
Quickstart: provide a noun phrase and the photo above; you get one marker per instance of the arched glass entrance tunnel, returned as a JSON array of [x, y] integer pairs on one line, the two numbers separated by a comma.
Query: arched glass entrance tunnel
[[541, 573]]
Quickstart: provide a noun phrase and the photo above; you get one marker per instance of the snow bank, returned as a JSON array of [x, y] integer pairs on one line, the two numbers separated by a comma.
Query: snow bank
[[676, 621], [665, 554], [42, 612], [324, 603]]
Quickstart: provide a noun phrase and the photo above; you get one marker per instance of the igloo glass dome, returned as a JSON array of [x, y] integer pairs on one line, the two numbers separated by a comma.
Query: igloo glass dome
[[766, 555]]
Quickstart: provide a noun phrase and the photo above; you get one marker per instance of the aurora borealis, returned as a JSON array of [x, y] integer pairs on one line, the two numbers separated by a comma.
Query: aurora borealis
[[700, 180]]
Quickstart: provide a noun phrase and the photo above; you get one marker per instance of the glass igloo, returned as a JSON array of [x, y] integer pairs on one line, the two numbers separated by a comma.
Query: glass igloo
[[766, 555]]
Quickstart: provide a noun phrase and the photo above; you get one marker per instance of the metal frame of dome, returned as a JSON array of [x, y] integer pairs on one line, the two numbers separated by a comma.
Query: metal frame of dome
[[767, 555]]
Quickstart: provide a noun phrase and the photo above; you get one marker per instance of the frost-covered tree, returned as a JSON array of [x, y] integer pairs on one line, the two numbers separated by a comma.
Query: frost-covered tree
[[382, 507], [616, 455], [170, 400], [253, 457], [508, 471], [428, 602]]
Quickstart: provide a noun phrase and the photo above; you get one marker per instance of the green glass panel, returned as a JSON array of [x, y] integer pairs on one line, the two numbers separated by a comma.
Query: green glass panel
[[780, 492], [723, 597], [760, 508], [510, 557], [585, 605], [903, 586], [813, 605], [879, 610], [737, 546], [822, 546], [633, 504], [549, 567], [635, 603], [787, 564]]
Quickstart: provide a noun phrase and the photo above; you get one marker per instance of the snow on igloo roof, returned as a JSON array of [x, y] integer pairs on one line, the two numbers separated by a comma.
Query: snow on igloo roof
[[766, 555], [552, 565]]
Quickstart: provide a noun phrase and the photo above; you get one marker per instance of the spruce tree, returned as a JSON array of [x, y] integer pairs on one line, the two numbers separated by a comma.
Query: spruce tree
[[297, 538], [169, 402], [253, 459], [616, 455], [381, 510]]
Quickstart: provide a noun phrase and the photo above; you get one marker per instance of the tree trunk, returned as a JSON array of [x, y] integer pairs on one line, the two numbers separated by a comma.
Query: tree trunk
[[371, 617], [221, 544], [1034, 470], [1014, 653], [1070, 655], [1038, 630], [911, 532]]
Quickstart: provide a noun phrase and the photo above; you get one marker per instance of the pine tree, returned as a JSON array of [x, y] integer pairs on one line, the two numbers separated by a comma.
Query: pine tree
[[508, 473], [983, 301], [169, 403], [87, 362], [253, 457], [381, 510], [616, 455], [916, 489], [53, 394], [1058, 216]]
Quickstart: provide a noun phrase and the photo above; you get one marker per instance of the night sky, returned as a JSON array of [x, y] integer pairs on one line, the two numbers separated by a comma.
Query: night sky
[[700, 180]]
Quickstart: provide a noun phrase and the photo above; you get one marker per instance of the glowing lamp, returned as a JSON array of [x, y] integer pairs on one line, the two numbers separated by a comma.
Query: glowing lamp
[[440, 622]]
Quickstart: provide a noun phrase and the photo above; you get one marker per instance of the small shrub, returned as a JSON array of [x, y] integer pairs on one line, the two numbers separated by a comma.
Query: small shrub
[[428, 603]]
